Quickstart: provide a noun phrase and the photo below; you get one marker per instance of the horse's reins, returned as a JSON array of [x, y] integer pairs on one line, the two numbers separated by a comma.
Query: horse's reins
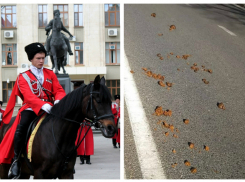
[[91, 123]]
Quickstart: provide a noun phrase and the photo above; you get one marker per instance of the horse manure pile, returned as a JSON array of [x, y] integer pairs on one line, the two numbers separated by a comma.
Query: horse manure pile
[[205, 81], [159, 112], [167, 113], [172, 27], [174, 165], [154, 75], [153, 14], [131, 71], [145, 69], [187, 163], [193, 170], [160, 34], [177, 56], [206, 148], [169, 84], [175, 136], [161, 83], [166, 133], [161, 58], [171, 53], [221, 105], [191, 145], [174, 151], [186, 121], [194, 67], [185, 56], [159, 55]]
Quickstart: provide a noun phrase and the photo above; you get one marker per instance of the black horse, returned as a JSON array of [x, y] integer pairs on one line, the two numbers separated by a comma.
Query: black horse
[[53, 153]]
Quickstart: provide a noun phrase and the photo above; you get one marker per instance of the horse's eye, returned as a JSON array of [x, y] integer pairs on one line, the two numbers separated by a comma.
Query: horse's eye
[[98, 100]]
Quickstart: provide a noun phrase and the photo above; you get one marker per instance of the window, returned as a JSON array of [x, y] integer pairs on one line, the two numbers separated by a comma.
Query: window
[[112, 52], [114, 87], [42, 15], [7, 90], [8, 16], [79, 53], [63, 13], [112, 14], [78, 15], [9, 54]]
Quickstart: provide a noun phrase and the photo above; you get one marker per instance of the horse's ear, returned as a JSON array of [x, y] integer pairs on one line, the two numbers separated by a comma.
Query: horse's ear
[[102, 80], [97, 82], [97, 79]]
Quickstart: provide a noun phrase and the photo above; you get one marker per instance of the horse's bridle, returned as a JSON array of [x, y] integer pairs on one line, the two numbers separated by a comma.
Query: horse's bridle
[[91, 123], [90, 102]]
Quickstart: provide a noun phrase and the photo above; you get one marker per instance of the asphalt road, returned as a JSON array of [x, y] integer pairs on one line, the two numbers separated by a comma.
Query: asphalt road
[[214, 37]]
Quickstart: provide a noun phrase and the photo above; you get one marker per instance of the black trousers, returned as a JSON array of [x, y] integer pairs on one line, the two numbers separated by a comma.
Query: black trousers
[[27, 117], [19, 138]]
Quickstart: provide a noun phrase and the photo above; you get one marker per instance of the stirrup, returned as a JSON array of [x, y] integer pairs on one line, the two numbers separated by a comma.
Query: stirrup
[[9, 173]]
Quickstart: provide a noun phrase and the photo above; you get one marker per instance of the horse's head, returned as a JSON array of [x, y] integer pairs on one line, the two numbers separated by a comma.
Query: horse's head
[[98, 107]]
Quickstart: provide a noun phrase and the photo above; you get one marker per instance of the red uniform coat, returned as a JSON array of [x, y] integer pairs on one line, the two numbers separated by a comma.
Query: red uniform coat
[[114, 111], [30, 100], [87, 145], [118, 131]]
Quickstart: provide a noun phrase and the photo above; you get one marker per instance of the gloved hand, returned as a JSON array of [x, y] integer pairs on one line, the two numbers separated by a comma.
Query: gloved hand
[[47, 108], [56, 102]]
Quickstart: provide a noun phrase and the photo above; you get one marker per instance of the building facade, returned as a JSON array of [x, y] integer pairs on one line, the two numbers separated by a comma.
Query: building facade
[[95, 45]]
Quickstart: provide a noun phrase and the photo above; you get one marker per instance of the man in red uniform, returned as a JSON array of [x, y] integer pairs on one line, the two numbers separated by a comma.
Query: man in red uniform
[[87, 146], [115, 110], [36, 87]]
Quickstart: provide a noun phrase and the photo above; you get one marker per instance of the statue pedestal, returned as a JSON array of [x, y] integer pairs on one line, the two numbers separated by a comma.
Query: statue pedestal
[[65, 82]]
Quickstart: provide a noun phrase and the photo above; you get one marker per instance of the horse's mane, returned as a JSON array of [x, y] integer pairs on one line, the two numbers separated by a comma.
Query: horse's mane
[[73, 100]]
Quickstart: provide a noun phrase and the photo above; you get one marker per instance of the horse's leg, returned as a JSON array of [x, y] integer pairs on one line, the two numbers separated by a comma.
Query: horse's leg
[[67, 175], [52, 61], [55, 59], [25, 176], [64, 58], [4, 169]]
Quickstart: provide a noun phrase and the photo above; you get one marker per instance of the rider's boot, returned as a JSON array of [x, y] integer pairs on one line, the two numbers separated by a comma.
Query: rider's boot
[[68, 45], [82, 159], [88, 159], [19, 139], [114, 143]]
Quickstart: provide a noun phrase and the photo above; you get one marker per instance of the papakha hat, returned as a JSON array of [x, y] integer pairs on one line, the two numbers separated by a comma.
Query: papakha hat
[[1, 103], [33, 49], [117, 97]]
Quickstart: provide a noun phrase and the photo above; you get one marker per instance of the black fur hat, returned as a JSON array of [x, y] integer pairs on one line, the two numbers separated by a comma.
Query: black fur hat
[[1, 103], [117, 97], [33, 49]]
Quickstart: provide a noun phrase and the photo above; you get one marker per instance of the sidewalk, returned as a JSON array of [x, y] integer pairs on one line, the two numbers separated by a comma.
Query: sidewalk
[[105, 161]]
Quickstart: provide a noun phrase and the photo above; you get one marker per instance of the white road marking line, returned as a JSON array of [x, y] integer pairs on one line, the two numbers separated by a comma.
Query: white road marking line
[[228, 31], [148, 156]]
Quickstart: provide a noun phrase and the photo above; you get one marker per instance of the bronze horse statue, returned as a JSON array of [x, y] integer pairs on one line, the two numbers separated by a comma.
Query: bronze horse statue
[[54, 151]]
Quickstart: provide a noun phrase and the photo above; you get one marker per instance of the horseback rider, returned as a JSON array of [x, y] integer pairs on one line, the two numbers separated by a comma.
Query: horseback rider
[[50, 26], [39, 90]]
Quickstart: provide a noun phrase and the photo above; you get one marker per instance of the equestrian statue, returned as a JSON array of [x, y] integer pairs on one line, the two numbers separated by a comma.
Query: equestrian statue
[[57, 44]]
